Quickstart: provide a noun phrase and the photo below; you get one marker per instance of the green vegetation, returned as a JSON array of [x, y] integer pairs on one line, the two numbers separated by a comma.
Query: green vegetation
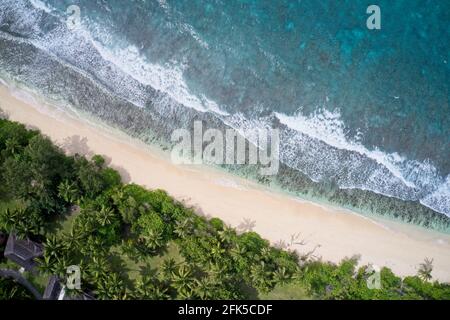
[[132, 243], [10, 290]]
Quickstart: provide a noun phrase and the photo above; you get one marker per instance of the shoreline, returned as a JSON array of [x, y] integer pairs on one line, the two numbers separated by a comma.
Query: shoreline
[[214, 193]]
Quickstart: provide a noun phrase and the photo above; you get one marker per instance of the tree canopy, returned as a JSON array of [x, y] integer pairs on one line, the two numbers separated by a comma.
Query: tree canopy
[[120, 225]]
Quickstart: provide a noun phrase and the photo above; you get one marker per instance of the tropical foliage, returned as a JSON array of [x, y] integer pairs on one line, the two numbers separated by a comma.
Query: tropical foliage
[[126, 222], [11, 290]]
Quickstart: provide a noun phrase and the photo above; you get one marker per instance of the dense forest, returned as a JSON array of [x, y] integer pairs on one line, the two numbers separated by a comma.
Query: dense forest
[[133, 243]]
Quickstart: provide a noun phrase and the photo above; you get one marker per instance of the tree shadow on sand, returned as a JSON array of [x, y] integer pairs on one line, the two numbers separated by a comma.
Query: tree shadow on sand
[[77, 145], [3, 114], [126, 178]]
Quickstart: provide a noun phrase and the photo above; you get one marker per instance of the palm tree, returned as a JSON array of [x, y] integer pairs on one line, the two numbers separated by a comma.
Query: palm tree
[[265, 253], [204, 288], [60, 266], [68, 191], [183, 228], [93, 246], [143, 288], [217, 251], [116, 287], [181, 279], [24, 228], [280, 276], [146, 288], [217, 272], [98, 268], [168, 267], [105, 216], [185, 294], [227, 234], [12, 146], [118, 196], [72, 239], [128, 248], [260, 276], [160, 293], [23, 221], [128, 209], [53, 247], [237, 252], [46, 264], [102, 290], [425, 270], [153, 239], [83, 265], [9, 218], [110, 287]]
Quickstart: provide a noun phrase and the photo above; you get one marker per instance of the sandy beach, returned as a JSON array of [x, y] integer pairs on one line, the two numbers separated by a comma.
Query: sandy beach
[[334, 233]]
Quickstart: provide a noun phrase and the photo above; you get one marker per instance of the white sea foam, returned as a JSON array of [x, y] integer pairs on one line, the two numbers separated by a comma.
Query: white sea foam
[[328, 127], [317, 150], [440, 199], [229, 183], [167, 78], [41, 5]]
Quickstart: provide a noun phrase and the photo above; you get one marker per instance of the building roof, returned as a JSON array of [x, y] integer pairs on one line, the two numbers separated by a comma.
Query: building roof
[[53, 289], [23, 251]]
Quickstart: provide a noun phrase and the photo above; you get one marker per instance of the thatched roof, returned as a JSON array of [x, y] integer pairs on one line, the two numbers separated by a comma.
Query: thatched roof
[[23, 251], [53, 289]]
